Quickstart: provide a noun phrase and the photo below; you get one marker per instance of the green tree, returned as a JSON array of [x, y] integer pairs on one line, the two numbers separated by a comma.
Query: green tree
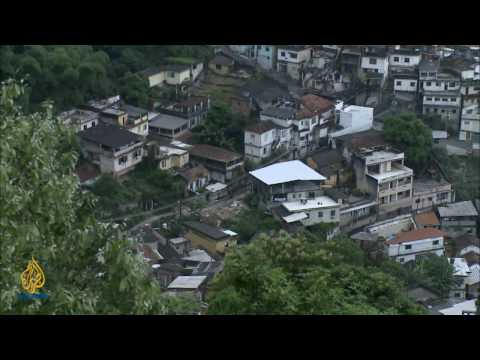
[[436, 272], [288, 274], [90, 268], [410, 135]]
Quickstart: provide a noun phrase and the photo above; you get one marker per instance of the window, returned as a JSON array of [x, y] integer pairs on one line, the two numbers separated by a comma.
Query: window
[[438, 83], [293, 55], [435, 110], [443, 111], [93, 124], [396, 59], [163, 164], [375, 70], [457, 295], [122, 160], [452, 84], [431, 74], [172, 74], [408, 247], [453, 99], [435, 242], [423, 74], [332, 213], [445, 99], [437, 99], [429, 99], [267, 49], [428, 83], [399, 83], [466, 122], [145, 127], [264, 151], [470, 111], [417, 201], [282, 53], [401, 260], [136, 154], [407, 60], [412, 84], [372, 61], [85, 127], [454, 111], [320, 214], [268, 57], [311, 195], [218, 67]]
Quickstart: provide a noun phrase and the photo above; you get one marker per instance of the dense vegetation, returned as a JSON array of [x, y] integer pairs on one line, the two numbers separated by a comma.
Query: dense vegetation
[[72, 74], [287, 274], [145, 184], [412, 136], [223, 128], [89, 268]]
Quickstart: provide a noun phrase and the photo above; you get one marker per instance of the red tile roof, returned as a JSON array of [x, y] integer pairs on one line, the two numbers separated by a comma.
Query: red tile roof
[[427, 218], [415, 235], [316, 103]]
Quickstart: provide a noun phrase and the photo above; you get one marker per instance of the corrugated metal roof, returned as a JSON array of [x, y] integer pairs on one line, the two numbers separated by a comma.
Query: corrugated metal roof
[[463, 208], [285, 172], [295, 217], [187, 282]]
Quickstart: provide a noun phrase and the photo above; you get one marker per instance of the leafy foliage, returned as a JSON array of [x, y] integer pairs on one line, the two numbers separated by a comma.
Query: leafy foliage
[[90, 268], [287, 274], [250, 221], [72, 74], [410, 135], [222, 128]]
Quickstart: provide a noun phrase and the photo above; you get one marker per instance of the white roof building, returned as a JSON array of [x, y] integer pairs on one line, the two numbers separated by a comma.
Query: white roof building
[[474, 276], [460, 266], [316, 203], [216, 187], [460, 308], [287, 171], [187, 282]]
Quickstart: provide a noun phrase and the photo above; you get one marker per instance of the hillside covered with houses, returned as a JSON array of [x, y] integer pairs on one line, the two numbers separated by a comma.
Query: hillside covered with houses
[[212, 159]]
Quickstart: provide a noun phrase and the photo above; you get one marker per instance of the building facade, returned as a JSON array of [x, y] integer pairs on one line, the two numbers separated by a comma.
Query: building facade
[[382, 173]]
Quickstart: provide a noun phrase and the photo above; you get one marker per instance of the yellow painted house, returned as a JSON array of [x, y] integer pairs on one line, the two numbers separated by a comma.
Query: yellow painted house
[[210, 238]]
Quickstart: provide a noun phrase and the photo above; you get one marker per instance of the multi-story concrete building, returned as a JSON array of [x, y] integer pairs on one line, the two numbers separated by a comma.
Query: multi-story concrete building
[[79, 119], [308, 118], [286, 181], [223, 165], [374, 65], [401, 59], [470, 126], [458, 218], [266, 56], [264, 138], [308, 212], [383, 174], [429, 193], [293, 59], [116, 150]]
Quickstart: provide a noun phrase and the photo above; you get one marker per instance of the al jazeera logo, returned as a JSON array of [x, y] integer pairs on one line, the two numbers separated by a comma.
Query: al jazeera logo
[[32, 279]]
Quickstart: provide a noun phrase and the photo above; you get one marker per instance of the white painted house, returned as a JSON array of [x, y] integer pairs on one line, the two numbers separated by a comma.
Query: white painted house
[[321, 209], [404, 58], [264, 138], [461, 272], [374, 64], [292, 59], [470, 124], [405, 83], [353, 119], [406, 246]]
